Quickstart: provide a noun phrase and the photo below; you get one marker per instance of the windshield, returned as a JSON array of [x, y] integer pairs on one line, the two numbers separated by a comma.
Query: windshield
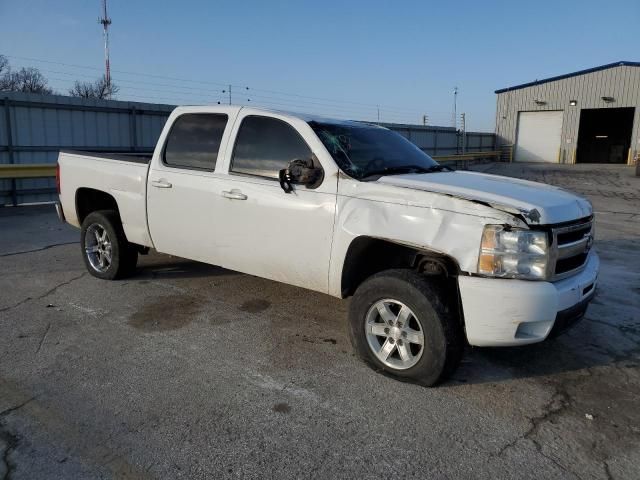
[[363, 151]]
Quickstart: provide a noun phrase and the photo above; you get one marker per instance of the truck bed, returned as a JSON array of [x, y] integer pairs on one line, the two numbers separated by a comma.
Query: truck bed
[[121, 176]]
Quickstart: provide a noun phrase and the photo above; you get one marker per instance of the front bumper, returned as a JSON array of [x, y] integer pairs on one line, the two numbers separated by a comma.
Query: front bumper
[[506, 312]]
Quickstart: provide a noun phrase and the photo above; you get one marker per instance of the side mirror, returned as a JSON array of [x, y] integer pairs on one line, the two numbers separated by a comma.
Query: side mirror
[[300, 172]]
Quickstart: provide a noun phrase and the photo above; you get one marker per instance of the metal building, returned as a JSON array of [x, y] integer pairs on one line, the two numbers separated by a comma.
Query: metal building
[[589, 116]]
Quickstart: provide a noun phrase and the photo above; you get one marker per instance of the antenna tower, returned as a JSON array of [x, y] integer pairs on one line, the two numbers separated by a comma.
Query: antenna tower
[[106, 21]]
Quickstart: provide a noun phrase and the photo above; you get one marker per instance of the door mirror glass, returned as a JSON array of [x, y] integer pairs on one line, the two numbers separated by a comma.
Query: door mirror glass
[[300, 172]]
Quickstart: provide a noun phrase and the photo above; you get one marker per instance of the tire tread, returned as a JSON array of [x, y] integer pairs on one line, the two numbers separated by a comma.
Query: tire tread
[[412, 286], [125, 255]]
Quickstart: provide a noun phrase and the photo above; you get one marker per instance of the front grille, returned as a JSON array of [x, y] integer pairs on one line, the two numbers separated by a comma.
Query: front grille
[[570, 248], [574, 235], [564, 265]]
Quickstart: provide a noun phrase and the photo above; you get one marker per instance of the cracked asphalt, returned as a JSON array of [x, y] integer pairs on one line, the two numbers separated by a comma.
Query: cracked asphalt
[[191, 371]]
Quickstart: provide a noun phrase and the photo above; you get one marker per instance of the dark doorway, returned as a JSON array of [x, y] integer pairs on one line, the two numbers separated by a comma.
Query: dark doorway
[[604, 135]]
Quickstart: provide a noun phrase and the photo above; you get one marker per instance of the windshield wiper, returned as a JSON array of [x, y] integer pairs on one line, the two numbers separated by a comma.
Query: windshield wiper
[[438, 168], [405, 169]]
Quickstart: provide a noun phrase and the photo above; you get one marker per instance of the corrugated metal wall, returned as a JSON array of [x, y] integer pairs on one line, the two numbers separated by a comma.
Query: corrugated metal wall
[[621, 82], [39, 126], [443, 140], [42, 125]]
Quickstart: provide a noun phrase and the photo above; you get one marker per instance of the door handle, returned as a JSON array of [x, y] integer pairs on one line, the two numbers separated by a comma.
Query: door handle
[[162, 183], [234, 195]]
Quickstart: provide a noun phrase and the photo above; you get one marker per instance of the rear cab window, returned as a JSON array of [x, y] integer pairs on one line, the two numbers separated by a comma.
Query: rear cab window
[[265, 145], [194, 141]]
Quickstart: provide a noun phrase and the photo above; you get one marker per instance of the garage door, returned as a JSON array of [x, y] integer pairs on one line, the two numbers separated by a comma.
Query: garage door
[[538, 136]]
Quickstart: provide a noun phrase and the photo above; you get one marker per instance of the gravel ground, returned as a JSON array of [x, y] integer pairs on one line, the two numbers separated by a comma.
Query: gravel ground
[[192, 371]]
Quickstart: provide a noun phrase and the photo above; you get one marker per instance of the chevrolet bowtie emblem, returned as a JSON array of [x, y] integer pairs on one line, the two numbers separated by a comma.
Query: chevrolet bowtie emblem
[[589, 244]]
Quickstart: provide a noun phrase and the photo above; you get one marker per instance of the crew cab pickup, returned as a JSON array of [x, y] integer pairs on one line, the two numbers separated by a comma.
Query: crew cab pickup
[[433, 258]]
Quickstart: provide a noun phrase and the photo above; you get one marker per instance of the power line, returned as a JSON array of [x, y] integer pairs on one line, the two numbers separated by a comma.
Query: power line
[[117, 71], [270, 102], [168, 100], [171, 100], [126, 87], [379, 112], [370, 105], [345, 112], [347, 115], [417, 111], [205, 93], [280, 104], [135, 82]]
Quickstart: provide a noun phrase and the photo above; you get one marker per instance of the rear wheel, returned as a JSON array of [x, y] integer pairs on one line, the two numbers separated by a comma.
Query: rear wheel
[[106, 252], [401, 323]]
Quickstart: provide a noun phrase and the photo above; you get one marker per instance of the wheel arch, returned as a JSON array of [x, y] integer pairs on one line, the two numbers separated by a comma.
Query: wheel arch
[[368, 255], [89, 200]]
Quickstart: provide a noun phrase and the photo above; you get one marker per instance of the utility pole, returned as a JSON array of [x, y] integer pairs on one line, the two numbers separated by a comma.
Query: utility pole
[[106, 21], [378, 108], [425, 120], [463, 131], [455, 106]]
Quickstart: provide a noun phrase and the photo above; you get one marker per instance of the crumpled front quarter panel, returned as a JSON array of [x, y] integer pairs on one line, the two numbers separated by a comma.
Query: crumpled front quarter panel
[[425, 220]]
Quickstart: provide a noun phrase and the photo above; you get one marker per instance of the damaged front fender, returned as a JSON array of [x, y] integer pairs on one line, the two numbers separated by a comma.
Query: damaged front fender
[[427, 221]]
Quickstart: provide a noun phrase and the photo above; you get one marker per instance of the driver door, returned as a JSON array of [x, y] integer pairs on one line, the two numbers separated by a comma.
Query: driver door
[[267, 232]]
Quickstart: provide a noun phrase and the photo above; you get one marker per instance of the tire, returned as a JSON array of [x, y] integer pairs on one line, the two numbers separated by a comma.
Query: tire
[[394, 309], [107, 257]]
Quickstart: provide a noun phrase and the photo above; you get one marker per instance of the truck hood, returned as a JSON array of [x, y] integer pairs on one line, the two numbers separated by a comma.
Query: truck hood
[[537, 203]]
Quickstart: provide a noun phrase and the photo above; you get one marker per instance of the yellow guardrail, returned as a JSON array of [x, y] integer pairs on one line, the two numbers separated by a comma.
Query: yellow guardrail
[[36, 170], [467, 156], [33, 170]]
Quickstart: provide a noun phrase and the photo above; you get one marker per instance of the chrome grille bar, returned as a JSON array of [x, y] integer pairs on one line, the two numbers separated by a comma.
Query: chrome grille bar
[[569, 248]]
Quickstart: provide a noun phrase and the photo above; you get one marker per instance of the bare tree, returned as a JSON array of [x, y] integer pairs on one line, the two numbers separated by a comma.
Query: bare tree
[[5, 74], [98, 89], [31, 80], [24, 80], [4, 64]]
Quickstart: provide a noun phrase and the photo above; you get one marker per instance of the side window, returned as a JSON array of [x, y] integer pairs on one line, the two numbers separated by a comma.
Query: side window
[[266, 145], [194, 141]]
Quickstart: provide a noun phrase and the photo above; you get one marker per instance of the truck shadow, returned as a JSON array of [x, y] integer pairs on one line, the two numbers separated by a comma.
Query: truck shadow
[[608, 335], [552, 357], [155, 266]]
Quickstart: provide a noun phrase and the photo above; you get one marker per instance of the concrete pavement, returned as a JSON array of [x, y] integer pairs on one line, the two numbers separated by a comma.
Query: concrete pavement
[[191, 371]]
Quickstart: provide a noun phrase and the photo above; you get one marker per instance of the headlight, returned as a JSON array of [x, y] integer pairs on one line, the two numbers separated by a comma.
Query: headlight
[[513, 253]]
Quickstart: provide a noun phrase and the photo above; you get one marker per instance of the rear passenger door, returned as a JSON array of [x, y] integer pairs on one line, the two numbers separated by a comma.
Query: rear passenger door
[[267, 232], [183, 191]]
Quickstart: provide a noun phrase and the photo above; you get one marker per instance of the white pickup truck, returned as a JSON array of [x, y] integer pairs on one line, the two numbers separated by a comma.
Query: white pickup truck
[[432, 257]]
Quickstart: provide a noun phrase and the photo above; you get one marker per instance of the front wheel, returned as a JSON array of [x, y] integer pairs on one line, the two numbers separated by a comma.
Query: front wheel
[[401, 323], [106, 252]]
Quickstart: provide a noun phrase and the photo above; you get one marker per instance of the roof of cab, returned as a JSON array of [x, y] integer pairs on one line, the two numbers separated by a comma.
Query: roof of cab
[[307, 117]]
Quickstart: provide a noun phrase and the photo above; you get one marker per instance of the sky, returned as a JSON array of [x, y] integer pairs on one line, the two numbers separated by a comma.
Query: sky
[[349, 59]]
